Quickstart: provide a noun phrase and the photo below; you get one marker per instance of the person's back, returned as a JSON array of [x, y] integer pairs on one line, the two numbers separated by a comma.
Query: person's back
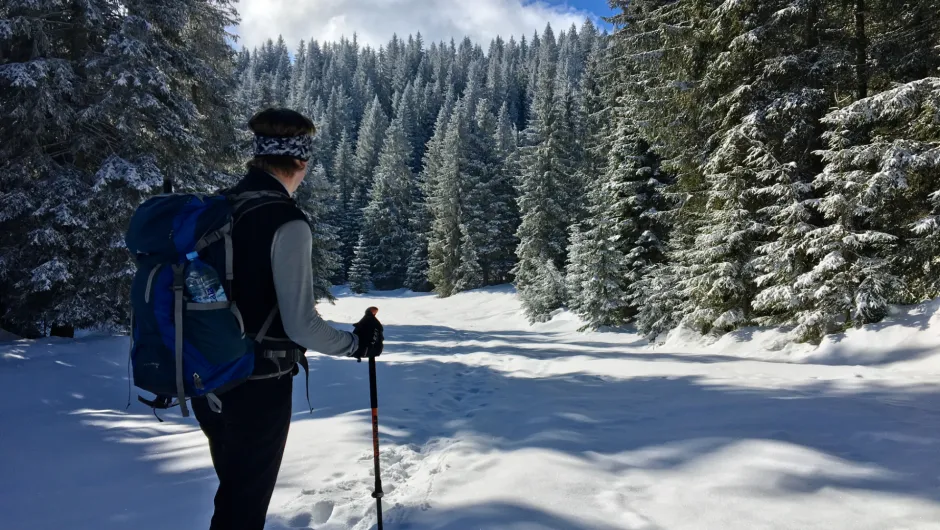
[[273, 286]]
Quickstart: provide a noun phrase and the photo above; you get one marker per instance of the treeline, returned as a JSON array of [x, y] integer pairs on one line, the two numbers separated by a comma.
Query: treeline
[[445, 161], [709, 164]]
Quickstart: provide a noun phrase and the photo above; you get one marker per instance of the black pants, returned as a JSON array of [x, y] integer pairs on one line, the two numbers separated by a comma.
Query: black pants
[[247, 442]]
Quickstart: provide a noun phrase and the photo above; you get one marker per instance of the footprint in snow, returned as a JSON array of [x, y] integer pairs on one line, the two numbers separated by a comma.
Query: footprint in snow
[[300, 521], [322, 511]]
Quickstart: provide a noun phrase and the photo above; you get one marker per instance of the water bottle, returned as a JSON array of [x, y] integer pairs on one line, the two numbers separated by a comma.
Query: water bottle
[[202, 282]]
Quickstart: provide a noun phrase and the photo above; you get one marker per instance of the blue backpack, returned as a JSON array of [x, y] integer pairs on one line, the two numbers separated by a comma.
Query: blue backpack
[[182, 349]]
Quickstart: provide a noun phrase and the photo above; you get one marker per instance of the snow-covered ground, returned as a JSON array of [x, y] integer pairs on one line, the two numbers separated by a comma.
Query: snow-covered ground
[[490, 423]]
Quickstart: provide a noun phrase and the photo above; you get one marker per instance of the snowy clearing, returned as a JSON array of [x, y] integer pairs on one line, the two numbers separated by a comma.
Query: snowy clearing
[[488, 422]]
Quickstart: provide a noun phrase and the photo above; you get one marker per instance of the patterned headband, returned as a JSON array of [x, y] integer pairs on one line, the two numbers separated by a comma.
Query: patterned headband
[[299, 147]]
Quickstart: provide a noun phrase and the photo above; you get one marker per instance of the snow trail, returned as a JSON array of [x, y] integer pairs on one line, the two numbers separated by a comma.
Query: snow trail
[[488, 422]]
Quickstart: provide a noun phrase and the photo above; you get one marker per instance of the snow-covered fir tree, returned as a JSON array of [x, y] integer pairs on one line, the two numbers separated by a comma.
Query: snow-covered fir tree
[[502, 218], [406, 113], [444, 241], [479, 174], [324, 144], [595, 259], [360, 275], [343, 177], [369, 144], [338, 116], [545, 171], [577, 273], [476, 166], [318, 199], [770, 126], [418, 277], [386, 228], [877, 245], [119, 104], [626, 234]]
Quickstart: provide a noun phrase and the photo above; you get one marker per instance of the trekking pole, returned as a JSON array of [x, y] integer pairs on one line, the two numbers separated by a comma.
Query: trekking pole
[[374, 397], [377, 494]]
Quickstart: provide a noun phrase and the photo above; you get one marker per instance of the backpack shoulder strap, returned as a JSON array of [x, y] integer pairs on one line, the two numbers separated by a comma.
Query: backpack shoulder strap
[[240, 201], [178, 286]]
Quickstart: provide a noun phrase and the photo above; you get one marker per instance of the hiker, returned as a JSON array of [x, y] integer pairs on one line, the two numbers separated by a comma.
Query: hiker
[[273, 283]]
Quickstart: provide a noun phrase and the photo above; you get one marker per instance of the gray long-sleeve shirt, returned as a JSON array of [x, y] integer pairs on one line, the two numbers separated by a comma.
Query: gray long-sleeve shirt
[[291, 252]]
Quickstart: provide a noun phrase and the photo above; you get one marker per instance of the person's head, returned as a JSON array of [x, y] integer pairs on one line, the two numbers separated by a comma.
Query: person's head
[[283, 145]]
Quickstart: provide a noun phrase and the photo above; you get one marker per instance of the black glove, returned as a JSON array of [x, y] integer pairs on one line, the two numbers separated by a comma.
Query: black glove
[[371, 335]]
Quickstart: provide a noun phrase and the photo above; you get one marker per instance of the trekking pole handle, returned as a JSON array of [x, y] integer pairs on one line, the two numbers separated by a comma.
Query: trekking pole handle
[[374, 310]]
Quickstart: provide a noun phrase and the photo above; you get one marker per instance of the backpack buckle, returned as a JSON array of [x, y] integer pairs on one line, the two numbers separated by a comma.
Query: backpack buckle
[[179, 277], [292, 355]]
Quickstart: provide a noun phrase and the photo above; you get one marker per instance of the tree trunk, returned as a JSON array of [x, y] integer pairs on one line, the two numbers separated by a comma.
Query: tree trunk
[[62, 331], [812, 21], [167, 185], [861, 51]]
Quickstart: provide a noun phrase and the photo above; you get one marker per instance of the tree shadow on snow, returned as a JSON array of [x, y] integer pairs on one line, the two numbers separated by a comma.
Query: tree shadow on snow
[[879, 439], [542, 346], [71, 440], [424, 340], [850, 356]]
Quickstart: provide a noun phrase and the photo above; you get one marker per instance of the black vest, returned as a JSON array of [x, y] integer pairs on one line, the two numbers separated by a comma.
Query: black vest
[[253, 287]]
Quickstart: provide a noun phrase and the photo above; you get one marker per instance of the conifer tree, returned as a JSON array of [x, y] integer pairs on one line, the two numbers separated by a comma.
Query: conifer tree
[[385, 226], [422, 220], [406, 114], [545, 170], [478, 169], [324, 147], [297, 86], [876, 190], [280, 80], [502, 218], [546, 294], [119, 104], [360, 276], [338, 115], [371, 135], [317, 198], [344, 179], [444, 241]]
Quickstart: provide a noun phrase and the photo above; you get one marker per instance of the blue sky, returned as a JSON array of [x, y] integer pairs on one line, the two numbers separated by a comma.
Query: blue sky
[[374, 21], [598, 7]]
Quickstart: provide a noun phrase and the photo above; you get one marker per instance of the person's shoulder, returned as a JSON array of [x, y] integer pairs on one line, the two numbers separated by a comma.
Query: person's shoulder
[[273, 212], [293, 235], [294, 213]]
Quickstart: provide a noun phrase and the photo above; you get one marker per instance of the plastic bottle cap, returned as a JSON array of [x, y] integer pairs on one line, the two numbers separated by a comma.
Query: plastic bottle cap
[[192, 256]]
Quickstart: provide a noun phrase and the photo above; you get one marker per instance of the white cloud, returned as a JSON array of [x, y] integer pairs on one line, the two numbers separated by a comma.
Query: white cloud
[[374, 21]]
